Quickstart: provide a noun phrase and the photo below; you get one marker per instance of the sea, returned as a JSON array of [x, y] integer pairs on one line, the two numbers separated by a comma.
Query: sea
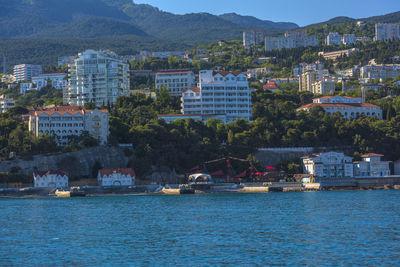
[[345, 228]]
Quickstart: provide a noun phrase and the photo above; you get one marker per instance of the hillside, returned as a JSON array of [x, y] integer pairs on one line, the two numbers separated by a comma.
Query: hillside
[[250, 21]]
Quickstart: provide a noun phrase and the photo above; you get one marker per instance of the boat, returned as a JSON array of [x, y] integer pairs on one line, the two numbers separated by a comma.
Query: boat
[[62, 193], [76, 192]]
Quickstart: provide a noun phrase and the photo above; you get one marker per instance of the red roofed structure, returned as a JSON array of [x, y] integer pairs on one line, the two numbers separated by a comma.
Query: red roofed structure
[[271, 86]]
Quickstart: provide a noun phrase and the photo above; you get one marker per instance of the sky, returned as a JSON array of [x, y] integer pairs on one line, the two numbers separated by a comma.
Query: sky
[[302, 12]]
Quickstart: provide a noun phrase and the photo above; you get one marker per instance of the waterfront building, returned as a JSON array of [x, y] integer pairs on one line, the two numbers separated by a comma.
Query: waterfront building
[[333, 38], [116, 177], [307, 79], [252, 37], [349, 107], [175, 80], [25, 72], [328, 165], [371, 166], [56, 179], [6, 103], [66, 121], [336, 54], [98, 77], [348, 39], [386, 32], [57, 80], [380, 71], [292, 39]]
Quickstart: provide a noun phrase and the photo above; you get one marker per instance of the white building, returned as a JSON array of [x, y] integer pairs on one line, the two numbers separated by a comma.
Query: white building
[[175, 80], [336, 54], [57, 179], [371, 166], [380, 71], [57, 80], [63, 122], [363, 39], [24, 87], [328, 165], [116, 177], [307, 79], [6, 103], [333, 38], [7, 78], [98, 77], [292, 39], [253, 73], [386, 32], [304, 67], [348, 39], [252, 38], [25, 72], [349, 107], [323, 87]]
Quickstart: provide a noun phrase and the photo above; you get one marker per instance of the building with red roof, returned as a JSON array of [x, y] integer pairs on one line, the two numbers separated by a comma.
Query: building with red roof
[[116, 177], [272, 86]]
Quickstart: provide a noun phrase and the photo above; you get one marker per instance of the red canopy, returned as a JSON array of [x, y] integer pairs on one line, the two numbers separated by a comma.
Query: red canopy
[[241, 175], [218, 173], [195, 168]]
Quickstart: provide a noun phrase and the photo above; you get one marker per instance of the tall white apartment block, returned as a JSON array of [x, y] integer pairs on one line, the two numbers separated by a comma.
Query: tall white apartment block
[[6, 103], [219, 93], [175, 80], [348, 39], [292, 39], [252, 37], [57, 80], [25, 72], [63, 122], [323, 87], [306, 80], [378, 71], [98, 77], [333, 38], [328, 165], [385, 32], [304, 67]]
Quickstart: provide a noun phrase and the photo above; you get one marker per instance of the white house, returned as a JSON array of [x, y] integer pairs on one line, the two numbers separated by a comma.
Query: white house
[[371, 166], [6, 103], [175, 80], [328, 165], [116, 177], [57, 80], [50, 179]]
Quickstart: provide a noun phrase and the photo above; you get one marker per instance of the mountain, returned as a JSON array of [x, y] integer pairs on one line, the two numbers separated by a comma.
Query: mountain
[[250, 21]]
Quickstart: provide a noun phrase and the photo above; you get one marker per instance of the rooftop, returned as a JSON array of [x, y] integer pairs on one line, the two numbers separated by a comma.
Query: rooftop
[[125, 171]]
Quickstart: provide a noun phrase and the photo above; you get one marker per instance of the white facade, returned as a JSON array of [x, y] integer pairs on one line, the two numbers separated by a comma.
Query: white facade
[[252, 38], [336, 54], [219, 93], [371, 166], [57, 80], [325, 86], [333, 38], [292, 39], [380, 71], [116, 177], [98, 77], [350, 108], [386, 32], [175, 80], [253, 73], [328, 165], [348, 39], [6, 103], [306, 80], [25, 72], [24, 87], [7, 78], [57, 179], [63, 122], [304, 67]]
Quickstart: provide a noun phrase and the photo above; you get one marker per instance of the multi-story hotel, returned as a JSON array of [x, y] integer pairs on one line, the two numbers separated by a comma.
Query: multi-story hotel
[[349, 107], [385, 32], [6, 103], [25, 72], [98, 77], [63, 122], [333, 38], [380, 71], [348, 39], [175, 80], [328, 165], [292, 39], [57, 80], [220, 94], [252, 38]]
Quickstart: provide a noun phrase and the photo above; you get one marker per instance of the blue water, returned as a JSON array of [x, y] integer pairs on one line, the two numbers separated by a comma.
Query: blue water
[[316, 228]]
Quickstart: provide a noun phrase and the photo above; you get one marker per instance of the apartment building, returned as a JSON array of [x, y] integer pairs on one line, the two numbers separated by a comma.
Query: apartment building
[[292, 39], [323, 87], [98, 77], [333, 38], [304, 67], [328, 165], [57, 80], [348, 39], [371, 165], [380, 71], [336, 54], [253, 73], [349, 107], [6, 103], [25, 72], [63, 122], [252, 37], [386, 32], [175, 80], [307, 79]]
